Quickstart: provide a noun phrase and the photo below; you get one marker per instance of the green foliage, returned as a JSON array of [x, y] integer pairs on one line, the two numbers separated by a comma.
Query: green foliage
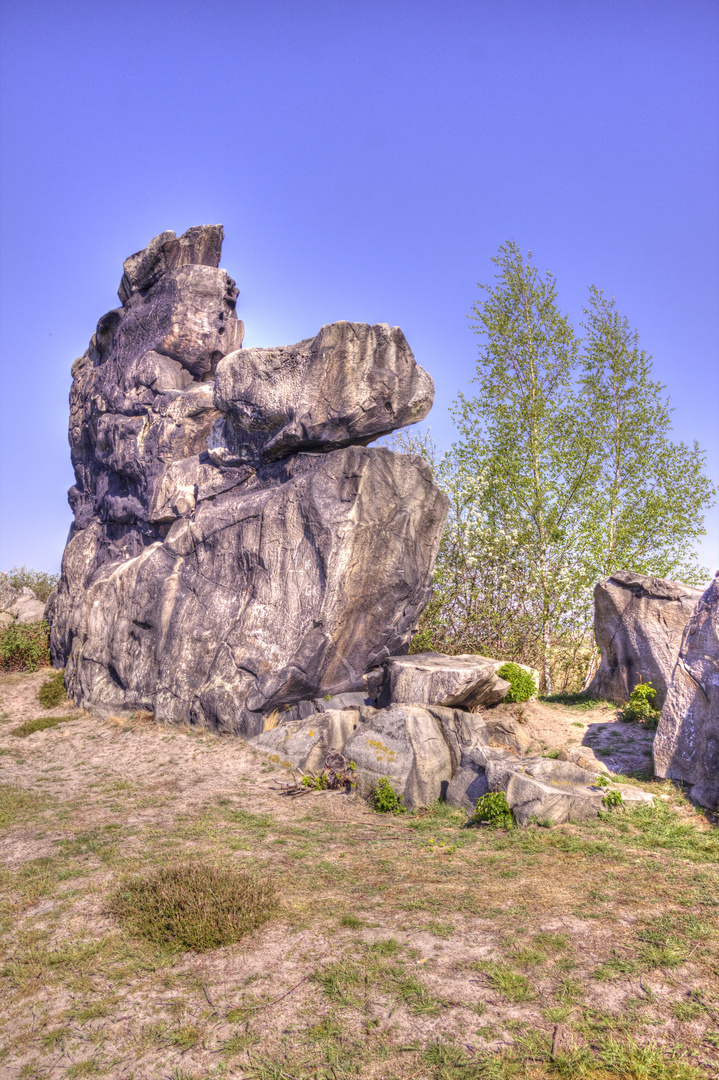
[[41, 723], [52, 691], [24, 646], [317, 783], [194, 906], [522, 685], [563, 472], [493, 809], [41, 583], [385, 799], [612, 799], [639, 708]]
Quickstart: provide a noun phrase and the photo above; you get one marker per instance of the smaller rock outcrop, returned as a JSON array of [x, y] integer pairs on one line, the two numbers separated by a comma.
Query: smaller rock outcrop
[[638, 627], [537, 788], [686, 746], [429, 752], [19, 605], [463, 682]]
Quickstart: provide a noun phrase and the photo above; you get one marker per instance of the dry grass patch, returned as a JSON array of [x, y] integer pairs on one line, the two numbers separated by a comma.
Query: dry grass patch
[[194, 906]]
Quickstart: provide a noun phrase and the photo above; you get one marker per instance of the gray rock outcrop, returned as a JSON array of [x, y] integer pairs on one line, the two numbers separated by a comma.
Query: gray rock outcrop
[[686, 745], [417, 748], [237, 548], [638, 627], [430, 752], [19, 605]]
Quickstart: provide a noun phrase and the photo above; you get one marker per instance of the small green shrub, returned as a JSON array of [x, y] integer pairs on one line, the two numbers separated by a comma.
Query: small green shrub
[[52, 691], [493, 809], [39, 724], [24, 646], [194, 906], [317, 783], [41, 583], [522, 685], [639, 708], [385, 799], [612, 799]]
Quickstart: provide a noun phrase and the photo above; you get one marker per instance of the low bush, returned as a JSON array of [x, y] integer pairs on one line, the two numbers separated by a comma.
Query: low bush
[[493, 809], [194, 906], [522, 685], [639, 708], [24, 646], [385, 799], [41, 583], [52, 692]]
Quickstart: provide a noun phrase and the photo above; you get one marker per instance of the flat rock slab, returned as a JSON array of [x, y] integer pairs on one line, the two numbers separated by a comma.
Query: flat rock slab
[[431, 678]]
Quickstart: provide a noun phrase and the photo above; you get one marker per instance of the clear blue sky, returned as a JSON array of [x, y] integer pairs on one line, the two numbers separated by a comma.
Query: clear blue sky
[[366, 159]]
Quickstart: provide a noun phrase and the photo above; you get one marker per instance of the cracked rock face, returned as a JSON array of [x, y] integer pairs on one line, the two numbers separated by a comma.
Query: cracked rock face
[[686, 746], [236, 548], [638, 626]]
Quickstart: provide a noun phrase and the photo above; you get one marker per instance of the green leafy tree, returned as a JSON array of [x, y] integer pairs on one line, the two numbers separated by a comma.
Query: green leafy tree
[[650, 492], [564, 471], [521, 439]]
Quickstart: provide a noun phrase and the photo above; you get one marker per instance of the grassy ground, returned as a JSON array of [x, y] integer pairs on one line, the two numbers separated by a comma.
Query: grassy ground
[[400, 948]]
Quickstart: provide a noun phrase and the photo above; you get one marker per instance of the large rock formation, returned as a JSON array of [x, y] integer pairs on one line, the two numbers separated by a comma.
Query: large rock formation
[[686, 746], [236, 547], [638, 626]]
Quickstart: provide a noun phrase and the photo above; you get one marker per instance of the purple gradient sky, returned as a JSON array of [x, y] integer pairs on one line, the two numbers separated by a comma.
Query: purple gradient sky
[[366, 159]]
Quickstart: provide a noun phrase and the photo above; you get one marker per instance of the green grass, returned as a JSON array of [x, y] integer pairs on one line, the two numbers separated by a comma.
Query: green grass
[[14, 803], [52, 691], [194, 906], [506, 981], [40, 723]]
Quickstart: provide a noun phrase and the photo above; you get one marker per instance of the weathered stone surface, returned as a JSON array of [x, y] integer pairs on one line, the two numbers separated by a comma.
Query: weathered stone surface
[[216, 593], [5, 618], [348, 385], [26, 608], [686, 746], [537, 788], [405, 744], [638, 626], [8, 595], [432, 678], [304, 744], [506, 731]]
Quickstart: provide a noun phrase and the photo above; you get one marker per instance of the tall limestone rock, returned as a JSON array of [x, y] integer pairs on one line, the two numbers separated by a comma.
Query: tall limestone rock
[[236, 547], [638, 627], [686, 746]]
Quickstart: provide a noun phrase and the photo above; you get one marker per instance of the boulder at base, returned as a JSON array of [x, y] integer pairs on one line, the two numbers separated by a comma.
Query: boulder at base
[[638, 626], [431, 678], [686, 746], [537, 788]]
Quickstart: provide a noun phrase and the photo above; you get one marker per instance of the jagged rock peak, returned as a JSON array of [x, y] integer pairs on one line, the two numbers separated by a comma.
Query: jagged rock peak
[[200, 246]]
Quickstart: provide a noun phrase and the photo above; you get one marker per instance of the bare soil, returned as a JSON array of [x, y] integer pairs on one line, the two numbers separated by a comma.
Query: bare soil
[[405, 947]]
